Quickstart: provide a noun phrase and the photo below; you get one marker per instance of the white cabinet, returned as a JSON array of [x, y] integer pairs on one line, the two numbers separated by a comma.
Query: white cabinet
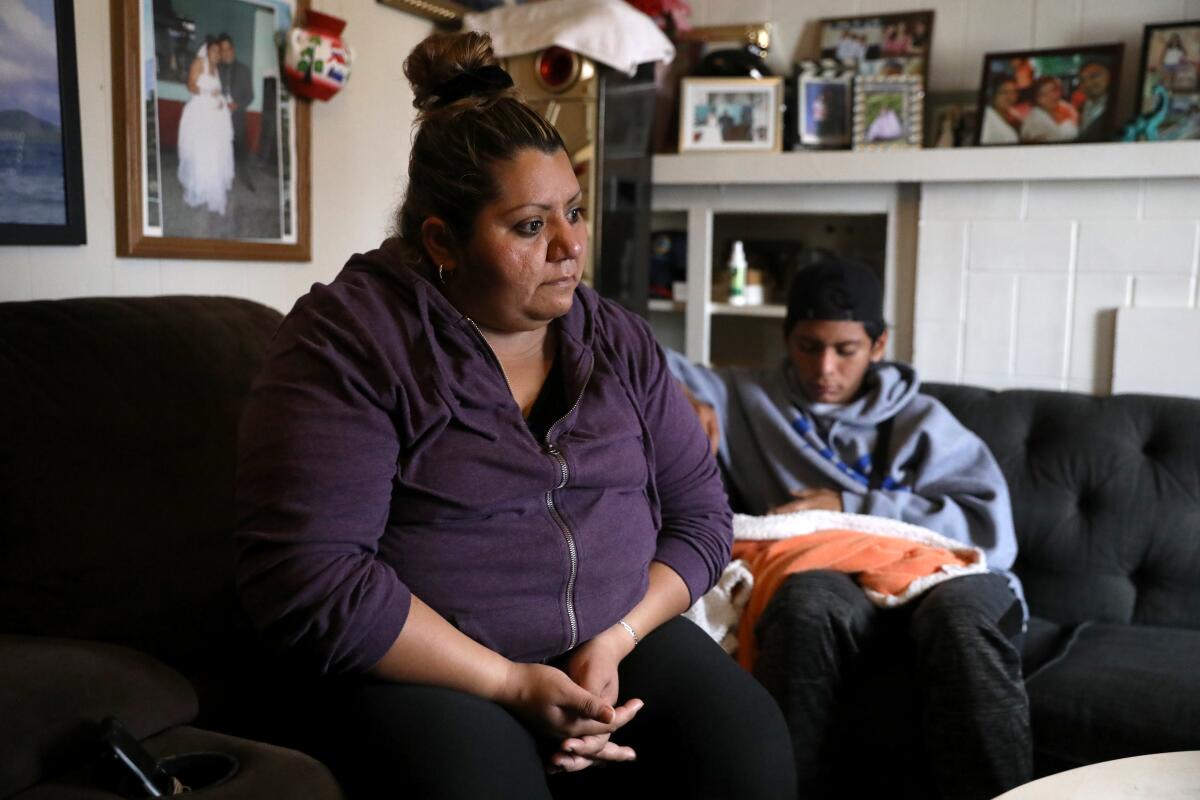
[[872, 222]]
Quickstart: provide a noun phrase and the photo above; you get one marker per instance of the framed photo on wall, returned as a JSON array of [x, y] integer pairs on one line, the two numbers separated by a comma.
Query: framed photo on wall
[[1171, 60], [732, 114], [1049, 96], [888, 112], [881, 44], [41, 168], [211, 150], [823, 106]]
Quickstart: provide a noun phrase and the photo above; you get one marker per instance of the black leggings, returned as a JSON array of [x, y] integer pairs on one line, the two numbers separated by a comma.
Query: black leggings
[[708, 730]]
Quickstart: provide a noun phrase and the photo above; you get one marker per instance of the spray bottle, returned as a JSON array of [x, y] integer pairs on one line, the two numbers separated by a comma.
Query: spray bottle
[[737, 275]]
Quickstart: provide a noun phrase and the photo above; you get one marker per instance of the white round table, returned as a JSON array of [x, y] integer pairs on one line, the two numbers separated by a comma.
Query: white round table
[[1163, 776]]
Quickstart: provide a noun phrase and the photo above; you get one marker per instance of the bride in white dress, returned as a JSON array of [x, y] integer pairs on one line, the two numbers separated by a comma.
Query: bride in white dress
[[206, 136]]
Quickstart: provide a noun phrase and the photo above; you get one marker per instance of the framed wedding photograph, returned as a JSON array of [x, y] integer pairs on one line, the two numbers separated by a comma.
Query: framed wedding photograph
[[823, 107], [881, 44], [211, 150], [888, 112], [731, 114], [1049, 96], [1171, 61], [41, 166]]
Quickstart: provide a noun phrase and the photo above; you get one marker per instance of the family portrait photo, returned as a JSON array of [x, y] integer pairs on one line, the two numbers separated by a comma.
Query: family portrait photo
[[41, 178], [887, 44], [730, 114], [212, 150], [824, 108], [1171, 62], [1049, 96]]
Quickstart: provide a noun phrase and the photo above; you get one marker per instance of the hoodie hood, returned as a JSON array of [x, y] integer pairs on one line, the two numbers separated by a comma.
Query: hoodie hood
[[888, 387]]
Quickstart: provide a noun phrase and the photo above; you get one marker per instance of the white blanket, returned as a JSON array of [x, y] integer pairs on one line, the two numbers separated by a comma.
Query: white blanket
[[719, 611]]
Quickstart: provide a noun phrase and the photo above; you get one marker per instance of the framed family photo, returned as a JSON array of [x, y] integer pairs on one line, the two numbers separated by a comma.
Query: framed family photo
[[823, 106], [881, 44], [1049, 96], [732, 114], [211, 150], [888, 112], [41, 169], [1171, 61]]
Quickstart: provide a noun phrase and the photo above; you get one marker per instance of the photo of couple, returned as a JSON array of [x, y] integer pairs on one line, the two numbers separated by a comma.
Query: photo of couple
[[213, 126], [219, 143]]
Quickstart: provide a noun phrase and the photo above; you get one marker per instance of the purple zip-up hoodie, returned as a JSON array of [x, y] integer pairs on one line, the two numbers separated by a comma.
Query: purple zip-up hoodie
[[382, 455]]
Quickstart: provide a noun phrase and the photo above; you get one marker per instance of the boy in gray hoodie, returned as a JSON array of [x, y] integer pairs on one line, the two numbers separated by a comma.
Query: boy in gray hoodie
[[835, 427]]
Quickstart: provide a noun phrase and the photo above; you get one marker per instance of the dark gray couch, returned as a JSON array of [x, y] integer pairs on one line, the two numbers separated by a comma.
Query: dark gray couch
[[1106, 498], [116, 510], [116, 595]]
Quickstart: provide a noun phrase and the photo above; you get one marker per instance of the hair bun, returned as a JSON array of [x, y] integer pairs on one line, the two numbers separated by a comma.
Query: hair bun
[[442, 57]]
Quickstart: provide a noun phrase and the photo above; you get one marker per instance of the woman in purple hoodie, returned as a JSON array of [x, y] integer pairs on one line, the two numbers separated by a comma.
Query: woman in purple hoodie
[[472, 497]]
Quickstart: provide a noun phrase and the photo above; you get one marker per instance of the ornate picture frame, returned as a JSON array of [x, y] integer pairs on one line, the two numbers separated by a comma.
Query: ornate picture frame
[[176, 197], [41, 163], [888, 112]]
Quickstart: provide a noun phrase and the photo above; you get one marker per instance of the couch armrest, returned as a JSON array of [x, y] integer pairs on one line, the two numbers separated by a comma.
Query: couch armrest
[[54, 691]]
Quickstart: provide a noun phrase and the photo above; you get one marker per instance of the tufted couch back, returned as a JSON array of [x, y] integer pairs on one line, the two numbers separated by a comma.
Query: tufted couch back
[[1106, 499]]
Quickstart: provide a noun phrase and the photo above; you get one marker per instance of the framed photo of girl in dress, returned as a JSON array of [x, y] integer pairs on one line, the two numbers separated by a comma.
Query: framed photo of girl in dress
[[823, 105], [731, 114], [212, 158], [888, 112]]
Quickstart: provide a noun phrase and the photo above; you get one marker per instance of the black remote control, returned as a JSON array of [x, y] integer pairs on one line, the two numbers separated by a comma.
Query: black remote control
[[146, 770]]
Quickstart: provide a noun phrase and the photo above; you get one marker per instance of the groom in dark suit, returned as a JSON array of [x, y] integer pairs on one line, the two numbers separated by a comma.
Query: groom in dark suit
[[238, 87]]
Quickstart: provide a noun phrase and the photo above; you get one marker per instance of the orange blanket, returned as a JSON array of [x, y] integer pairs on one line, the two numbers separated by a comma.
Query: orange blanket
[[885, 564]]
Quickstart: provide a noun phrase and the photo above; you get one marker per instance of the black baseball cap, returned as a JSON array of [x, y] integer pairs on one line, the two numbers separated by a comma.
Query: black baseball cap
[[835, 289]]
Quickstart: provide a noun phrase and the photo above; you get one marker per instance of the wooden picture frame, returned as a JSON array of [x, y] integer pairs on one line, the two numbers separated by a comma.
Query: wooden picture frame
[[1012, 80], [265, 214], [880, 44], [888, 112], [1180, 78], [41, 195], [445, 13], [742, 115]]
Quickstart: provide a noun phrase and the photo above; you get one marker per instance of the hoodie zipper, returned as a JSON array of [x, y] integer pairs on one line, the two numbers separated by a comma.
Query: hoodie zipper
[[564, 476], [553, 450]]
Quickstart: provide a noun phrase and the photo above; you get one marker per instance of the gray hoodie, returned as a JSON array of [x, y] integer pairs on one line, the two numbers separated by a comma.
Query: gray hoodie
[[939, 474]]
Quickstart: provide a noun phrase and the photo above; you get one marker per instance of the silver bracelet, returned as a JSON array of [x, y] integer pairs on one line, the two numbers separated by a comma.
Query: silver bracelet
[[632, 632]]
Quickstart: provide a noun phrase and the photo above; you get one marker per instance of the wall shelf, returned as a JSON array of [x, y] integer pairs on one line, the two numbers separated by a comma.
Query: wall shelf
[[939, 165], [770, 311]]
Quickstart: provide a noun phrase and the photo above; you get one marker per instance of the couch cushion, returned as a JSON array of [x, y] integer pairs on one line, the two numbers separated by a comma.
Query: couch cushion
[[1117, 691], [116, 472], [264, 771], [1106, 499], [54, 691]]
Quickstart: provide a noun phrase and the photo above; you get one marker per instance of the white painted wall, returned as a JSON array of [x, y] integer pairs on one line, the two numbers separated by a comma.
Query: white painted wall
[[1018, 283], [360, 144]]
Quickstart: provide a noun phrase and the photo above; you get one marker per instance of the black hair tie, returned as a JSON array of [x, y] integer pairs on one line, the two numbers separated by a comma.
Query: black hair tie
[[483, 80]]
